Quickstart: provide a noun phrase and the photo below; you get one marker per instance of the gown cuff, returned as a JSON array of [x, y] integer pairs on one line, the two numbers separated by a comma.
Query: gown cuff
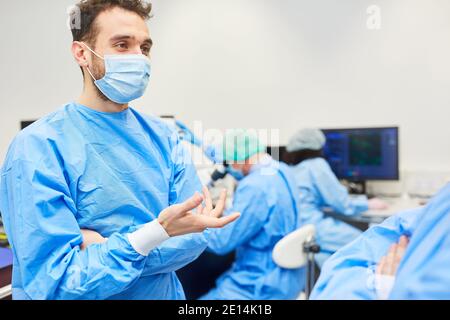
[[383, 286], [148, 237]]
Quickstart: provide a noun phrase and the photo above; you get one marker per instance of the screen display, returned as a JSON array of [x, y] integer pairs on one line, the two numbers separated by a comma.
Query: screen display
[[363, 154]]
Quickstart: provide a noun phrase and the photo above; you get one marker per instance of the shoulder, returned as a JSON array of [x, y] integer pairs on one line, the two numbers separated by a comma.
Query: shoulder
[[160, 129], [317, 166], [46, 129], [46, 125]]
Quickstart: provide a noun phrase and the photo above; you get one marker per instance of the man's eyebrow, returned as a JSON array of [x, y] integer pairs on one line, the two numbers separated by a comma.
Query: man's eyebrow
[[121, 37], [128, 37], [148, 41]]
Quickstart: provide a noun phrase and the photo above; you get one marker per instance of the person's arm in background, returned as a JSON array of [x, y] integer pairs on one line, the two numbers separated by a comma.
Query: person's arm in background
[[428, 280], [252, 204], [387, 268], [213, 152], [350, 272], [335, 195], [424, 271]]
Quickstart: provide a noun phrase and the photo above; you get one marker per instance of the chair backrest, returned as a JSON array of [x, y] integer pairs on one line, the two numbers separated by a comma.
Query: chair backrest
[[288, 252]]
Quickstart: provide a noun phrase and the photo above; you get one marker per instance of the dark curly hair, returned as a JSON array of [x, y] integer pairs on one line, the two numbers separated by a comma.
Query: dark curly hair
[[90, 9]]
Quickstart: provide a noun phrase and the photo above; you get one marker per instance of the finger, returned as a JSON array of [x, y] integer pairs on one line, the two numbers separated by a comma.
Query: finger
[[189, 204], [403, 243], [220, 206], [400, 253], [390, 260], [200, 209], [208, 201], [211, 222], [380, 268]]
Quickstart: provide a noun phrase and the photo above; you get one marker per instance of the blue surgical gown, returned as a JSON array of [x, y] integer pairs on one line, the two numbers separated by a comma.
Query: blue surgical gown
[[319, 188], [423, 272], [269, 211], [107, 172]]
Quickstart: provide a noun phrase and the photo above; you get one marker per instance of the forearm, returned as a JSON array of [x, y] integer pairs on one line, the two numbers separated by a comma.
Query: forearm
[[175, 253], [350, 272], [103, 268], [342, 203], [98, 272]]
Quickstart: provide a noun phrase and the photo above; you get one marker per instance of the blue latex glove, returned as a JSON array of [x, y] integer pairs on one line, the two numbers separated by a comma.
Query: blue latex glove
[[188, 135]]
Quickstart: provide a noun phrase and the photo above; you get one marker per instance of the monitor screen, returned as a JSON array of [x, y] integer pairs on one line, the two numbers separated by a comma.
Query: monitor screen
[[363, 154], [24, 124]]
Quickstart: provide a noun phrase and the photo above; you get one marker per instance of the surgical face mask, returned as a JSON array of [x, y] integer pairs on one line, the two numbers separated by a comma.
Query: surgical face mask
[[237, 174], [126, 77]]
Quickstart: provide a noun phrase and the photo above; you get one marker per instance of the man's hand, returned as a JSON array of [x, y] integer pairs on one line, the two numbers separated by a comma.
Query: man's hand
[[389, 264], [179, 219], [91, 237]]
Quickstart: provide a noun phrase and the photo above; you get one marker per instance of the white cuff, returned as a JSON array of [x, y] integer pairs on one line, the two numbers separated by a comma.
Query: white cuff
[[383, 286], [148, 237]]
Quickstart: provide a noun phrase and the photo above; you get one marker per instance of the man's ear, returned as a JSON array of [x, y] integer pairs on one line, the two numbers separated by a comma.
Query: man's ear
[[79, 54]]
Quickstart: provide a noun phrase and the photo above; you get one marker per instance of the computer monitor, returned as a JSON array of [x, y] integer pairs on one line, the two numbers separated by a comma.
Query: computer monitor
[[24, 124], [363, 154]]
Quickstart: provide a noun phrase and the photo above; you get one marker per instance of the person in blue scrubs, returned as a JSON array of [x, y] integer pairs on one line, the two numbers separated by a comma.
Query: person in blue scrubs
[[422, 273], [97, 167], [266, 199], [318, 187]]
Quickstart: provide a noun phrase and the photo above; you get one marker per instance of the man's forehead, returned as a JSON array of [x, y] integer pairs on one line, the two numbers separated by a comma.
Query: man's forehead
[[118, 21]]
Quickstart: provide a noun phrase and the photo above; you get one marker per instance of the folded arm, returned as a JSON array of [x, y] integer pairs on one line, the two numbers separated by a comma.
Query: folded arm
[[350, 272]]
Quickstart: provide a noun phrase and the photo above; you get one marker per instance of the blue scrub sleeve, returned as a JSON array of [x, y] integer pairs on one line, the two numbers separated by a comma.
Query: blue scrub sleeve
[[424, 271], [46, 238], [251, 202], [349, 273], [334, 193], [178, 252]]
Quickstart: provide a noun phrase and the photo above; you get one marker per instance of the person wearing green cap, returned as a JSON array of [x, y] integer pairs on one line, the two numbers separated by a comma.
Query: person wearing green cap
[[266, 197]]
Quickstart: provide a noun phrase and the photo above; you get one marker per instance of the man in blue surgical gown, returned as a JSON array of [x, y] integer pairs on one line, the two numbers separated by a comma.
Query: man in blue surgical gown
[[318, 188], [99, 165], [422, 273], [265, 197]]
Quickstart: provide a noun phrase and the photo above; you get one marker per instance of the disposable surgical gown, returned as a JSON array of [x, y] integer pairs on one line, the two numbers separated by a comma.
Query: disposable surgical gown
[[318, 188], [269, 211], [423, 271], [107, 172]]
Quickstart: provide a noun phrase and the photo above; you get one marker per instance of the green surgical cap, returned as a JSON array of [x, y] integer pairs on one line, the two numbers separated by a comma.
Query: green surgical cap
[[239, 145]]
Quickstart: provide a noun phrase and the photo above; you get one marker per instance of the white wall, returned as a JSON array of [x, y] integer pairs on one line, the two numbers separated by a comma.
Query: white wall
[[258, 63]]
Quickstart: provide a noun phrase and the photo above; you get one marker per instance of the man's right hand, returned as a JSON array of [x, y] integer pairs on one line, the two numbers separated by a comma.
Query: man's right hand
[[389, 264], [179, 219]]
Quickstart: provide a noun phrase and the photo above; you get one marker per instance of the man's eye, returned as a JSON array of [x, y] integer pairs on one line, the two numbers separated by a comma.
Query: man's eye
[[145, 50], [122, 45]]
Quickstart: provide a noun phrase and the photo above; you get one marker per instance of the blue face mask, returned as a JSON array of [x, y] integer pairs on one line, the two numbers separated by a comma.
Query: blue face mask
[[237, 174], [126, 77]]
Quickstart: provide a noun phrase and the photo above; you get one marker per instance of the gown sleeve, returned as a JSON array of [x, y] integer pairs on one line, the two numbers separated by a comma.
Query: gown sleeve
[[423, 273], [350, 272], [334, 193], [39, 216], [252, 204]]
